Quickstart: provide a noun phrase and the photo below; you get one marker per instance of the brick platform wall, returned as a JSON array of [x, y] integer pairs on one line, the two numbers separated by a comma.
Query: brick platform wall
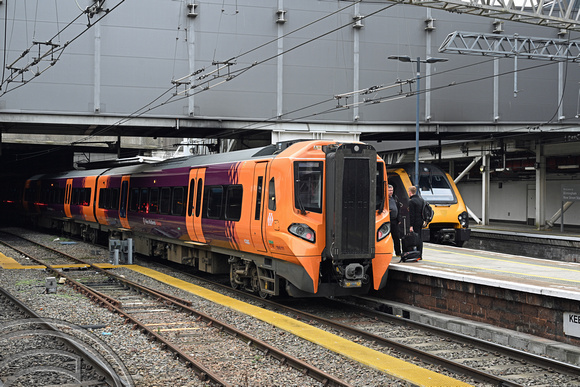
[[534, 314]]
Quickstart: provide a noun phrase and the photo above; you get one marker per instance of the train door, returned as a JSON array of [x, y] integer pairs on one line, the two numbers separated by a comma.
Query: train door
[[194, 204], [67, 197], [258, 206], [123, 201], [87, 209]]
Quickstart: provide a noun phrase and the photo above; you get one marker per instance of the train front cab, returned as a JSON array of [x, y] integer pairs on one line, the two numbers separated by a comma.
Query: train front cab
[[343, 250], [450, 222]]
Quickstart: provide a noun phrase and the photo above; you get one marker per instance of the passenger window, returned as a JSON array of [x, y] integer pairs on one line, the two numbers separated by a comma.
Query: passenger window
[[259, 198], [199, 197], [86, 196], [272, 195], [144, 200], [234, 203], [154, 201], [75, 196], [114, 199], [177, 203], [134, 200], [123, 204], [213, 202], [165, 201], [102, 199], [190, 199]]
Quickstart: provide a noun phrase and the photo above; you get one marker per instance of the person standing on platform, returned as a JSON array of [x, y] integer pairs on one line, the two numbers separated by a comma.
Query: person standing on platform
[[394, 214], [416, 216]]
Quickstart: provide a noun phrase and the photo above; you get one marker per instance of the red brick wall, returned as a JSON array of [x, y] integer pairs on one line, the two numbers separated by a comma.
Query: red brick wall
[[523, 312]]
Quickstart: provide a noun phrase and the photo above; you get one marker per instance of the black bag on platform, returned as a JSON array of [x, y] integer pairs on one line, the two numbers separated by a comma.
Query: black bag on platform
[[410, 242], [411, 256]]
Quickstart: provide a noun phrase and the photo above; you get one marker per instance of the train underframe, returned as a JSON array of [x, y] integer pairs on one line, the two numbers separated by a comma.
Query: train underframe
[[254, 273], [443, 234]]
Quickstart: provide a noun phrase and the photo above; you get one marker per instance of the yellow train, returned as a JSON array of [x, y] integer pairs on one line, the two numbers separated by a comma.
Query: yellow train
[[450, 222]]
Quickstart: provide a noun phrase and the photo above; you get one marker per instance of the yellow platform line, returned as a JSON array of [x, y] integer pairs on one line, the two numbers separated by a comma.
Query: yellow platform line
[[390, 365], [11, 263]]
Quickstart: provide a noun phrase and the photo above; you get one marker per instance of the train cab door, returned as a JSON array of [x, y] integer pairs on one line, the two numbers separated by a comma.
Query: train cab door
[[67, 197], [194, 204], [123, 201], [256, 217]]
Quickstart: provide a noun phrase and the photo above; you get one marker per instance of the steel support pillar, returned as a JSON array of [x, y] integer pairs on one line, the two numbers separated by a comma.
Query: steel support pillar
[[540, 187], [485, 190]]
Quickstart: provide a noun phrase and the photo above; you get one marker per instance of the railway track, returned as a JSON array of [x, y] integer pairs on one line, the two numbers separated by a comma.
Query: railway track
[[39, 351], [483, 361], [190, 334]]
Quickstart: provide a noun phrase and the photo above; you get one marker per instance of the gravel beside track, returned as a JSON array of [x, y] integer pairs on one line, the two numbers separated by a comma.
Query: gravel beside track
[[148, 363]]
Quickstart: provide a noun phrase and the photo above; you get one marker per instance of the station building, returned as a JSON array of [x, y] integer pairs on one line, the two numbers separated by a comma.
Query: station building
[[496, 94]]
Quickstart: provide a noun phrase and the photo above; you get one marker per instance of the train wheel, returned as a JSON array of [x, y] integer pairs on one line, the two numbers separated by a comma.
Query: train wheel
[[255, 281], [233, 277]]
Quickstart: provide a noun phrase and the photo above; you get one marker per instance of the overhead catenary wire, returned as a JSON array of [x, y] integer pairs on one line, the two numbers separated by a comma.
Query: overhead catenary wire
[[54, 51]]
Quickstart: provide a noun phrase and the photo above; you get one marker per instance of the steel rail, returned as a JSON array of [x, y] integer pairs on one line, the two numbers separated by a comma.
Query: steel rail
[[106, 372], [547, 363], [94, 267], [203, 373], [281, 356]]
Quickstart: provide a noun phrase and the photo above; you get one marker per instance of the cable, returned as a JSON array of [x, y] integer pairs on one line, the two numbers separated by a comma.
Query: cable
[[5, 46], [54, 48]]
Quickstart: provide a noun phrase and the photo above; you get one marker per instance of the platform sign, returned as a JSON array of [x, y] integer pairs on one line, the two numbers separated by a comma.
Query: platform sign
[[570, 192], [572, 324]]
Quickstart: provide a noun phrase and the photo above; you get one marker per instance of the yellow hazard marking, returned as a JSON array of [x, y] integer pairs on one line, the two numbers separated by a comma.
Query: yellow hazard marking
[[390, 365], [11, 263], [527, 274]]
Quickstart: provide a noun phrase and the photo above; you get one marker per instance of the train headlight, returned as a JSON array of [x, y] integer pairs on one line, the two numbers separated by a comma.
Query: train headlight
[[383, 231], [463, 219], [302, 230]]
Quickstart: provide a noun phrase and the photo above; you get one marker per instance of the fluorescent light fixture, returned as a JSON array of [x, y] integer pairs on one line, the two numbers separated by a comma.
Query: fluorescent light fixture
[[573, 166]]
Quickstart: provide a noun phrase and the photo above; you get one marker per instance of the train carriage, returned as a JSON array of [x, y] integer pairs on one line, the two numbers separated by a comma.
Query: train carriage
[[306, 217]]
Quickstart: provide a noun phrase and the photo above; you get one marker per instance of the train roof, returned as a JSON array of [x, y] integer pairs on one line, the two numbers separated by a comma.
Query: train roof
[[410, 167]]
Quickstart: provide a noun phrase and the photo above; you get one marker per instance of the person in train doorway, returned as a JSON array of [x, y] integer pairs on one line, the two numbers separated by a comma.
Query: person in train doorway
[[394, 215], [416, 216]]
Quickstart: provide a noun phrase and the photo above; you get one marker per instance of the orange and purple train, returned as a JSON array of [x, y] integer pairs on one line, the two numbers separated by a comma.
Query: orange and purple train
[[306, 218]]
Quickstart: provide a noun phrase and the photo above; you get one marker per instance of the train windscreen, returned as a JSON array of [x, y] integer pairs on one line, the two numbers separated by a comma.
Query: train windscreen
[[436, 189], [308, 185]]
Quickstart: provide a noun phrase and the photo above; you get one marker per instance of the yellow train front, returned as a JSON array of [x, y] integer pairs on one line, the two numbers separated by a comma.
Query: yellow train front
[[450, 222]]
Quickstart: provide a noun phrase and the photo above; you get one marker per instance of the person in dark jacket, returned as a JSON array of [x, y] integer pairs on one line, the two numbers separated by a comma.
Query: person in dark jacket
[[416, 215], [394, 214]]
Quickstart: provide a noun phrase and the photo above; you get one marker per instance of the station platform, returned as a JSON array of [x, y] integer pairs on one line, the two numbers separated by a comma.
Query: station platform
[[522, 239], [529, 296]]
